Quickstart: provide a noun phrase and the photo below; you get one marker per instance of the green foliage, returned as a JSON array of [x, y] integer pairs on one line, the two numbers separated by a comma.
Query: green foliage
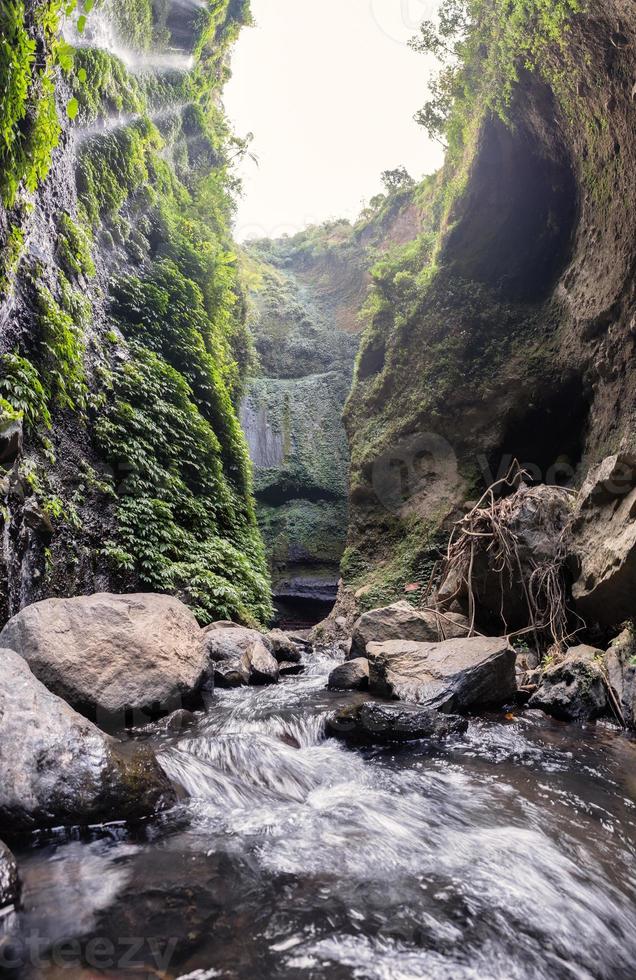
[[10, 258], [22, 388], [484, 45], [397, 179], [62, 337], [182, 526], [74, 246]]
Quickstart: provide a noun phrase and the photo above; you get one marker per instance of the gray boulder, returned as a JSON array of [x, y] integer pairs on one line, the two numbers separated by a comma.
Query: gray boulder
[[263, 666], [402, 621], [604, 543], [9, 881], [620, 661], [574, 689], [238, 656], [451, 676], [375, 722], [350, 676], [283, 647], [116, 658], [56, 767]]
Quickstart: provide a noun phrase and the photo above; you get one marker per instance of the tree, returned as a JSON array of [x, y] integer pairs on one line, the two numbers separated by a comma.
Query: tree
[[395, 180]]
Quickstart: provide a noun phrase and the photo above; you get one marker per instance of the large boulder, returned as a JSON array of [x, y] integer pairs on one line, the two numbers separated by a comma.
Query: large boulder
[[56, 767], [620, 662], [604, 543], [116, 658], [283, 647], [574, 689], [375, 722], [237, 656], [451, 676], [353, 675], [402, 621], [9, 881]]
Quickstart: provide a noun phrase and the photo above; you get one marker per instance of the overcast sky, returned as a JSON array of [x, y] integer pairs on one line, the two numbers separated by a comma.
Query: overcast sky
[[329, 89]]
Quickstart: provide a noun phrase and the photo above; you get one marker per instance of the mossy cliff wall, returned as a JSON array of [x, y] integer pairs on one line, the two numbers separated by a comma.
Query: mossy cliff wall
[[507, 327], [306, 293], [123, 342]]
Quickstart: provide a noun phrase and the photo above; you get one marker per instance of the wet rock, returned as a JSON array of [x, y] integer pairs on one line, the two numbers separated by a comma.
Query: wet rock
[[451, 676], [286, 669], [9, 881], [402, 621], [262, 665], [116, 658], [37, 519], [11, 437], [177, 722], [56, 767], [239, 656], [376, 722], [283, 647], [604, 542], [621, 669], [350, 676], [574, 688]]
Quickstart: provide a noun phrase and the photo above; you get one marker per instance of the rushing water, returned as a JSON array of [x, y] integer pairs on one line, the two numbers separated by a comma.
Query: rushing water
[[505, 853]]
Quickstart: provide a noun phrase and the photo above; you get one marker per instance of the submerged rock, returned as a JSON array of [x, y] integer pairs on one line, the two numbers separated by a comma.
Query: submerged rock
[[451, 676], [111, 656], [56, 767], [574, 689], [9, 881], [376, 722], [604, 542], [350, 676], [402, 621], [287, 669]]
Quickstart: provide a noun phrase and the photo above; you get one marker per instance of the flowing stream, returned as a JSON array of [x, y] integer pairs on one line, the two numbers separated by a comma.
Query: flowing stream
[[508, 852]]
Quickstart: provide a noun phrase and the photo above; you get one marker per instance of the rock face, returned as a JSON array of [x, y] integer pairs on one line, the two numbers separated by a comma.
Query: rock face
[[239, 656], [283, 647], [112, 655], [450, 676], [350, 676], [574, 689], [604, 542], [620, 660], [401, 621], [9, 881], [376, 722], [57, 768]]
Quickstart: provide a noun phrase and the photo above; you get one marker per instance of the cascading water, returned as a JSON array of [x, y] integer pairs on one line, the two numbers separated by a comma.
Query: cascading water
[[505, 853]]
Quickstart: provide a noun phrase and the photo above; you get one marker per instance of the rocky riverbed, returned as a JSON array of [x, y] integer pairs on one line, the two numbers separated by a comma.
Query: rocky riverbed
[[309, 832]]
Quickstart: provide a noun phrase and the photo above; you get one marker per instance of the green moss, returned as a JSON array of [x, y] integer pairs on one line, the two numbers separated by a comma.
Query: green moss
[[62, 333], [74, 246], [10, 258]]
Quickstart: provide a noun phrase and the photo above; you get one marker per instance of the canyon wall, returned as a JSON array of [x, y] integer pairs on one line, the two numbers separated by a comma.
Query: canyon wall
[[506, 328], [123, 341]]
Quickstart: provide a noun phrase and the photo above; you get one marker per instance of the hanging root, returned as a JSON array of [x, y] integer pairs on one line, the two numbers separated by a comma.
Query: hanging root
[[490, 531]]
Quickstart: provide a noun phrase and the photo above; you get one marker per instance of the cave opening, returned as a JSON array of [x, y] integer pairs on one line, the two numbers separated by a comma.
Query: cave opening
[[548, 437]]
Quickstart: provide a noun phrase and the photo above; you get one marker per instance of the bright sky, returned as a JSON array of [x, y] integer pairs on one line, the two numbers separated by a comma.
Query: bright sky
[[329, 89]]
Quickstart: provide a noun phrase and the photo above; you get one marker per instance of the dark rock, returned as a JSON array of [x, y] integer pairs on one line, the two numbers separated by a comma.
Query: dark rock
[[37, 519], [604, 542], [283, 647], [573, 689], [450, 676], [262, 665], [621, 669], [57, 768], [177, 722], [116, 658], [11, 437], [402, 621], [286, 669], [9, 881], [376, 722], [350, 676]]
